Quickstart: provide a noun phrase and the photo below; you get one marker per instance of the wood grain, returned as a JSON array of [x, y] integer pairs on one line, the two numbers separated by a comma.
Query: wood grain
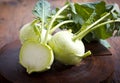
[[94, 68], [115, 50], [15, 13]]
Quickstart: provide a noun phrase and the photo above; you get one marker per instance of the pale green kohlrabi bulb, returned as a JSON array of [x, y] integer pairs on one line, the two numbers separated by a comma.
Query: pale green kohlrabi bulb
[[30, 32], [35, 56], [66, 50]]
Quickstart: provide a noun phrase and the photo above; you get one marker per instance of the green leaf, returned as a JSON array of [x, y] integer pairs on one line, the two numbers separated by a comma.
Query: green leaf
[[89, 37], [108, 30], [115, 11], [117, 28], [83, 13], [104, 43], [88, 22], [101, 33], [100, 8], [83, 17], [73, 8], [42, 9]]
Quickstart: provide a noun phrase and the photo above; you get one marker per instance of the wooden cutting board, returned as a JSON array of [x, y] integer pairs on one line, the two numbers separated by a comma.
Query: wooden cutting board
[[94, 69]]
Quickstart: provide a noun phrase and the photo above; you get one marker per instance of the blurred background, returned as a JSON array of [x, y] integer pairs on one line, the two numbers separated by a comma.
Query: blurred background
[[15, 13]]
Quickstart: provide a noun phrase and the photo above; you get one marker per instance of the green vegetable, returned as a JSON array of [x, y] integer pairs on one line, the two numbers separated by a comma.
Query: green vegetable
[[35, 54], [68, 47], [105, 43], [29, 32], [66, 50], [36, 57], [82, 18], [42, 11], [88, 21]]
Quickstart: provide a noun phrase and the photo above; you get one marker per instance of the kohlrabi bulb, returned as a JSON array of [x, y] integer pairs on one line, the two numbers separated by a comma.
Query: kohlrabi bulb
[[66, 50], [36, 57], [29, 32]]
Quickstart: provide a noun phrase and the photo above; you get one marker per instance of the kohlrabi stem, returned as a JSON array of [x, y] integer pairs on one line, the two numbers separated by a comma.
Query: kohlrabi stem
[[86, 54], [38, 28], [52, 21], [97, 26], [104, 23], [60, 16], [83, 33], [99, 20], [43, 20], [60, 24]]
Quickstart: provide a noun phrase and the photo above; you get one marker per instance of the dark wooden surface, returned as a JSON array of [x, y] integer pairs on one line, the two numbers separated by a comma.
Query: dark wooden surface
[[94, 69], [15, 13]]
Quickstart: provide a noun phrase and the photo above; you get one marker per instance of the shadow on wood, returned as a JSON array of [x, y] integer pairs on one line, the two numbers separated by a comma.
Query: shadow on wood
[[95, 69]]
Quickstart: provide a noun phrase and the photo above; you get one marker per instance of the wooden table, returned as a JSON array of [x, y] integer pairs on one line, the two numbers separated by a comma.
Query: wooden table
[[15, 13]]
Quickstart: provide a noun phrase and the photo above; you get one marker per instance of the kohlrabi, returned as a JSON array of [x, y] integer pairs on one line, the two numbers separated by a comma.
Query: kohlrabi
[[66, 50], [35, 54], [81, 12], [39, 42], [32, 31], [36, 57], [68, 47], [29, 32]]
